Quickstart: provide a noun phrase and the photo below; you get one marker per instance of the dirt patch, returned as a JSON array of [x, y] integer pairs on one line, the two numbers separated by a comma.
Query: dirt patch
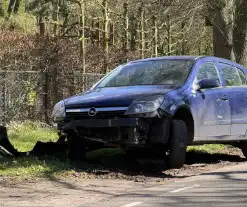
[[105, 178]]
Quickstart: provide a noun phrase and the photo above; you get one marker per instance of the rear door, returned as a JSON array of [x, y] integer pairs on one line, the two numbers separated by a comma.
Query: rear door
[[235, 83]]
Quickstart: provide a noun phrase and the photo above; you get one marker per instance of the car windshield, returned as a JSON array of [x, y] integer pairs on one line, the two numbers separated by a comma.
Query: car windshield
[[162, 72]]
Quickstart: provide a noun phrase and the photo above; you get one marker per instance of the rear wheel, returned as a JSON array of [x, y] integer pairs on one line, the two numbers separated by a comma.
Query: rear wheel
[[177, 144]]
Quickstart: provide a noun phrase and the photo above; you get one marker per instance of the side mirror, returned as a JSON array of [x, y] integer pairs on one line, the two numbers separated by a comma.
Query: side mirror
[[208, 83]]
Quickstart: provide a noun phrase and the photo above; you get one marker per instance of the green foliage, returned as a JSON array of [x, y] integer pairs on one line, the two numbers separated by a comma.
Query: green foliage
[[208, 148], [25, 135], [22, 21]]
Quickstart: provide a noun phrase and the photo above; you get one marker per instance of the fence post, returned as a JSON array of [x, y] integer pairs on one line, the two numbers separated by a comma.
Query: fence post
[[54, 73], [46, 97], [3, 98], [105, 35], [41, 26]]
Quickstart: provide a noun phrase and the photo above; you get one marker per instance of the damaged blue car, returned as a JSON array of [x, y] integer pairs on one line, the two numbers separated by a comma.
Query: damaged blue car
[[160, 105]]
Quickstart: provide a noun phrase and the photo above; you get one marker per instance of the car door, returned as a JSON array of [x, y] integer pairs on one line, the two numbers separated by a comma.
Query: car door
[[214, 113], [235, 82]]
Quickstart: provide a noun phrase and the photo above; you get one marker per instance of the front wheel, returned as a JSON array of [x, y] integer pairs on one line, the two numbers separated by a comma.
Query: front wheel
[[177, 144]]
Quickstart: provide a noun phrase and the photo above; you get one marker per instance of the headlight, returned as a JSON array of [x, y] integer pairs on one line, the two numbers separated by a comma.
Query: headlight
[[145, 104], [58, 112]]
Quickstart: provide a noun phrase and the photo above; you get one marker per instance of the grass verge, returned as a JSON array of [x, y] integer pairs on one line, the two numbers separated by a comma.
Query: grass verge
[[25, 135]]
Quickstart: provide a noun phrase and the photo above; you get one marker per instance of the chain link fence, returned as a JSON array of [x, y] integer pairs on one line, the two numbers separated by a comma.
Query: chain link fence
[[31, 95]]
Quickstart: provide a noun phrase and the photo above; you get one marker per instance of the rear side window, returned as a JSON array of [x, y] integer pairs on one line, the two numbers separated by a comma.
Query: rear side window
[[242, 76], [207, 71], [231, 75]]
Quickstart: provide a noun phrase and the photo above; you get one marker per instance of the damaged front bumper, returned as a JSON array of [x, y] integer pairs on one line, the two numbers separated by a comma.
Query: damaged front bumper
[[120, 131]]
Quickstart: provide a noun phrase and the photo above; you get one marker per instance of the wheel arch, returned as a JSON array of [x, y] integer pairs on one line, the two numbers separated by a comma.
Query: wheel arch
[[184, 113]]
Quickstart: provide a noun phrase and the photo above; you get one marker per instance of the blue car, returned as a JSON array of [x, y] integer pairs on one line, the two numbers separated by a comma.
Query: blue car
[[160, 105]]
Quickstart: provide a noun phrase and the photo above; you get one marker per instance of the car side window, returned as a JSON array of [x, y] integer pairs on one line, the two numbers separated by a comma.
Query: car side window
[[242, 76], [207, 71], [231, 75]]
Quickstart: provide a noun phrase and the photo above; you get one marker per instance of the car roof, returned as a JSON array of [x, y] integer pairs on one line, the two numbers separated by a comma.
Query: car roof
[[194, 58], [167, 58]]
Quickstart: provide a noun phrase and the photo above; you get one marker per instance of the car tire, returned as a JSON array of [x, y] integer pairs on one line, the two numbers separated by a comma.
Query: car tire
[[177, 144], [76, 148], [243, 147]]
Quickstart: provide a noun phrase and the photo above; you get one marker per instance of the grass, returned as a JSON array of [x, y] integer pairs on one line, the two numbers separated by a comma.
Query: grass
[[24, 136], [208, 148]]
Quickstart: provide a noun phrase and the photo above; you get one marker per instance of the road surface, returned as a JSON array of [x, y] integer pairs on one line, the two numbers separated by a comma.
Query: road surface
[[225, 187]]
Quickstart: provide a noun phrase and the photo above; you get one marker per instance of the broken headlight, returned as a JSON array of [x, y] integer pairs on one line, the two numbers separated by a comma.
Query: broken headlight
[[58, 112], [145, 104]]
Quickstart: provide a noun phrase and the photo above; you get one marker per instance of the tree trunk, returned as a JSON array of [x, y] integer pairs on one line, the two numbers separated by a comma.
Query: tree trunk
[[11, 5], [133, 32], [240, 32], [1, 9], [106, 35], [141, 31], [82, 40], [17, 6], [222, 21]]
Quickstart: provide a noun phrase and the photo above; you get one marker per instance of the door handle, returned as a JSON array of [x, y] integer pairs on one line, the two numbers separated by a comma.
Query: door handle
[[224, 98]]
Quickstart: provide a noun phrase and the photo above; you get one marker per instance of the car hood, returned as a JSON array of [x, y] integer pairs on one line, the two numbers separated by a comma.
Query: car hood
[[113, 96]]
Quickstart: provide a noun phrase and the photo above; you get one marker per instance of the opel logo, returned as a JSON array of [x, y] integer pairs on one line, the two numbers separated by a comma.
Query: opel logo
[[92, 112]]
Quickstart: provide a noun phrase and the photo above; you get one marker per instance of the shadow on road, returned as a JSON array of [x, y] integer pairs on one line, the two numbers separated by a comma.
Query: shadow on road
[[128, 165]]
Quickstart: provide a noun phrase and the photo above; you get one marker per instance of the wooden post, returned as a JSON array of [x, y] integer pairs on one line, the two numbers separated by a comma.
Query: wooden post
[[3, 98], [41, 26], [155, 36], [105, 35]]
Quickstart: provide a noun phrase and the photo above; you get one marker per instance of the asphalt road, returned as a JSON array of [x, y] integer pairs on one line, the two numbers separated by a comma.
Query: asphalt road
[[225, 187]]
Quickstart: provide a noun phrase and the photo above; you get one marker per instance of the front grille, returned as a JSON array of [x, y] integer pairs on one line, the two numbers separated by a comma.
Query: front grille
[[99, 115]]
